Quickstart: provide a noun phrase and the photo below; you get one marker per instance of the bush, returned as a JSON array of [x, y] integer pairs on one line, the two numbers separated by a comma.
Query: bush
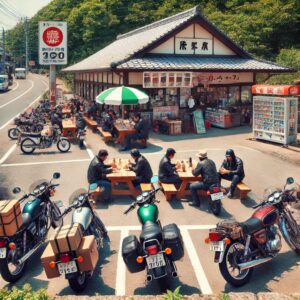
[[26, 293]]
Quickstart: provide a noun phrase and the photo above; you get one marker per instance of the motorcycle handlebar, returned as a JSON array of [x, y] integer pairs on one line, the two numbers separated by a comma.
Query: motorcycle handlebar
[[129, 209]]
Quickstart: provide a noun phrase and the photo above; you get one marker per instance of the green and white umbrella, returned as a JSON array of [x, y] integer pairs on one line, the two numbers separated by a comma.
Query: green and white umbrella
[[122, 95]]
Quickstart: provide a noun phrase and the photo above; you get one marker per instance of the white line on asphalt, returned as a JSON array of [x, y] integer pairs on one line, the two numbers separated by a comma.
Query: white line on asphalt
[[121, 269], [45, 162], [36, 99], [89, 151], [8, 153], [198, 269], [13, 100], [17, 85]]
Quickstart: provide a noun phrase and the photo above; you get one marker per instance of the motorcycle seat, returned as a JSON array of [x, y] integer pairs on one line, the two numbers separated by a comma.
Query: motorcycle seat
[[32, 134], [251, 225], [151, 231], [27, 219]]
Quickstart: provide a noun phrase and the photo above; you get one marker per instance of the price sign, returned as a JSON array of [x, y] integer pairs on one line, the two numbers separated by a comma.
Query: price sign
[[52, 43]]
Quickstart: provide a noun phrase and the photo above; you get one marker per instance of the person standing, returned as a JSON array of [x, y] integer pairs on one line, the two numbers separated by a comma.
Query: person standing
[[141, 168], [209, 176], [97, 172], [167, 170], [232, 169]]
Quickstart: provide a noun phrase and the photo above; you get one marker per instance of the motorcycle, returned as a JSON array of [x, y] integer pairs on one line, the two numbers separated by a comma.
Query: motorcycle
[[215, 194], [25, 125], [158, 248], [38, 216], [239, 247], [34, 141], [81, 133], [85, 215]]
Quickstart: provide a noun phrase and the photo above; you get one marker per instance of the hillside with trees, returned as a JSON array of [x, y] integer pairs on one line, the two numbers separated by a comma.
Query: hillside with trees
[[268, 29]]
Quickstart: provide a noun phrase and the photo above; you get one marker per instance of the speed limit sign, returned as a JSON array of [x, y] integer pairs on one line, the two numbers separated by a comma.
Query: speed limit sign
[[52, 43]]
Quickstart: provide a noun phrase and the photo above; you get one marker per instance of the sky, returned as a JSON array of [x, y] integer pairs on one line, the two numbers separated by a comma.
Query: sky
[[18, 7]]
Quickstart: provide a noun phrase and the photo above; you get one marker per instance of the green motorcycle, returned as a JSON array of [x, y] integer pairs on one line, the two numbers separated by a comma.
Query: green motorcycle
[[157, 248]]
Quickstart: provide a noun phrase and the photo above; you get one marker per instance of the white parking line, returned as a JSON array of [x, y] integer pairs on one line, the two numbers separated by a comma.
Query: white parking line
[[44, 162], [89, 151], [198, 269], [121, 268], [13, 100], [8, 153]]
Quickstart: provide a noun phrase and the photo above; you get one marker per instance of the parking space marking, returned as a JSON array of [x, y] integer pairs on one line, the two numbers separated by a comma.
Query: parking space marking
[[44, 162], [8, 153], [13, 100], [195, 261], [89, 151], [121, 268]]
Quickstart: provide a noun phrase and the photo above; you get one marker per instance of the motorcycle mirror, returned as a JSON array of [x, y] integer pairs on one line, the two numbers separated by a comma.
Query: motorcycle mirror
[[154, 179], [56, 175], [290, 180], [93, 186], [59, 203], [16, 190]]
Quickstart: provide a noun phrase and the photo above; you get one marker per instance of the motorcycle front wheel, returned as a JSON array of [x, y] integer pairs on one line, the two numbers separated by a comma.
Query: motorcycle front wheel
[[11, 272], [229, 266], [63, 145], [13, 133], [292, 239], [215, 207], [55, 215], [78, 282], [27, 146]]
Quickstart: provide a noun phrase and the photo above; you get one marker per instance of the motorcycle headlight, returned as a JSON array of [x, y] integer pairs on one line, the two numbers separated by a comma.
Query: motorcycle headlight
[[271, 199]]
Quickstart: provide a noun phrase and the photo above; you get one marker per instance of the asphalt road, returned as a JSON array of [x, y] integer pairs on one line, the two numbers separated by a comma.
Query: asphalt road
[[197, 272]]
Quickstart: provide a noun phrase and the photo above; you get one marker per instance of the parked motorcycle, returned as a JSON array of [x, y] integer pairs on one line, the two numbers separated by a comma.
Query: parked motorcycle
[[158, 248], [239, 247], [215, 194], [34, 141], [81, 133], [25, 125], [38, 216], [91, 224]]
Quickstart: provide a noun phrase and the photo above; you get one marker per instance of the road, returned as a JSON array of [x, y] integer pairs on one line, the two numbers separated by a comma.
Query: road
[[197, 272]]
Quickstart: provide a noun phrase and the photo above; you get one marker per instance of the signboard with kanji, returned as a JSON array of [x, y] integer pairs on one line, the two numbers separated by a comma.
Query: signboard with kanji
[[193, 46], [52, 43]]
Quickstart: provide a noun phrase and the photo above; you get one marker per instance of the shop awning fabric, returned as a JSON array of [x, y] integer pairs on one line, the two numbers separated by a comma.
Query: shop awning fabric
[[122, 96]]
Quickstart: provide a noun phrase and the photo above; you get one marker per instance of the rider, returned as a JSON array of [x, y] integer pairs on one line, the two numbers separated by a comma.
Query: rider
[[80, 122], [209, 176], [108, 123], [97, 172]]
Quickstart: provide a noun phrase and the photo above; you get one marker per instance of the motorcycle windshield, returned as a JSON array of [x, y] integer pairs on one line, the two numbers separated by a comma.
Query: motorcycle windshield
[[74, 196], [36, 184]]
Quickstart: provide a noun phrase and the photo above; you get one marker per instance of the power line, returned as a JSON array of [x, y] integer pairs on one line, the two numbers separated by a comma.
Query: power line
[[11, 8], [7, 12]]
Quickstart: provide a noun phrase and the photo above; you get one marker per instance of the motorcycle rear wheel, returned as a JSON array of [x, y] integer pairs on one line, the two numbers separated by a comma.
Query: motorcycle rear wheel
[[232, 256], [13, 133], [63, 145], [215, 207], [25, 146], [78, 282]]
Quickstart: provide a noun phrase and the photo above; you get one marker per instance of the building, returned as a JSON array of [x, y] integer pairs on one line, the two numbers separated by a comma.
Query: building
[[181, 60]]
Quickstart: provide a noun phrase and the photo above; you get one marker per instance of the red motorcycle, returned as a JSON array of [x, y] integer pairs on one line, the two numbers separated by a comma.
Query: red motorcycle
[[239, 247]]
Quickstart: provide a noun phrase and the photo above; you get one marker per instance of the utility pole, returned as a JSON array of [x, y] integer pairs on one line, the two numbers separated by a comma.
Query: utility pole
[[3, 40], [26, 45]]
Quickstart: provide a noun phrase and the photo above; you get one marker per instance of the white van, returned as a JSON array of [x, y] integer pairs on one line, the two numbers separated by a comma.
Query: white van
[[20, 73], [3, 83]]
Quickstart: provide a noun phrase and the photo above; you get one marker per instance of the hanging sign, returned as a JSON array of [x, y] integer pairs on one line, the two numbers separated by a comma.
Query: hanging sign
[[199, 121], [193, 46]]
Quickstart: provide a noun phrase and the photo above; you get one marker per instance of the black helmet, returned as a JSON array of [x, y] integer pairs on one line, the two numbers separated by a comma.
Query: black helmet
[[135, 153], [102, 153], [170, 151], [230, 152]]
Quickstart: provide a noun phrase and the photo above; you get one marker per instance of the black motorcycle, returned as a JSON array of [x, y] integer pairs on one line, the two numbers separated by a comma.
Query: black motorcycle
[[38, 214]]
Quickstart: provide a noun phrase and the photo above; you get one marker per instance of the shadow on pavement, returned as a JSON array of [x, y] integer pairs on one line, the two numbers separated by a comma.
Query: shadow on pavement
[[265, 273], [248, 202]]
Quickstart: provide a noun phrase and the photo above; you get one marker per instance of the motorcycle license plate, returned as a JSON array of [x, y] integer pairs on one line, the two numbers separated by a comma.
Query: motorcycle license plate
[[155, 261], [2, 252], [217, 246], [67, 268], [216, 196]]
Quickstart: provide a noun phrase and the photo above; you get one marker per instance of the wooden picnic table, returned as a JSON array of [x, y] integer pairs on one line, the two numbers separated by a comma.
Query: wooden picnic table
[[123, 131], [122, 176], [186, 178], [66, 112], [69, 128]]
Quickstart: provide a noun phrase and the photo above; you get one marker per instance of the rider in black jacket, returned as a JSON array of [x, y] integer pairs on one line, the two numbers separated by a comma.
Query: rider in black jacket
[[208, 171], [141, 168], [232, 169], [97, 172]]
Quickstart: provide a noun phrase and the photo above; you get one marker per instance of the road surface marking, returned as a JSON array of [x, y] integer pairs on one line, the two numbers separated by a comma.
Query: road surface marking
[[7, 154], [13, 100], [17, 85], [198, 269], [36, 99], [45, 162], [121, 268], [89, 151]]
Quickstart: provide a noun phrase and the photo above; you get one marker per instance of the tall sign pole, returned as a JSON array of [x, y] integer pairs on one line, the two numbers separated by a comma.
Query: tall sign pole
[[52, 50], [26, 46]]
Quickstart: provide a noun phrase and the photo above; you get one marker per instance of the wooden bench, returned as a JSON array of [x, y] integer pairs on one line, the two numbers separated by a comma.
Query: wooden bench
[[91, 123], [146, 187], [105, 134], [244, 190], [169, 190], [96, 193]]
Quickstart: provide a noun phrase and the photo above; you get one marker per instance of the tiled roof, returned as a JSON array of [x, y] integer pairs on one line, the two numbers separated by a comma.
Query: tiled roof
[[175, 62], [132, 42]]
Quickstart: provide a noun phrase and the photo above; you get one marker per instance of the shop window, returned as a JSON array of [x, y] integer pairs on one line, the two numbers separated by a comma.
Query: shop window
[[185, 94], [246, 95], [179, 79], [171, 79], [219, 96], [155, 79], [163, 79], [233, 95]]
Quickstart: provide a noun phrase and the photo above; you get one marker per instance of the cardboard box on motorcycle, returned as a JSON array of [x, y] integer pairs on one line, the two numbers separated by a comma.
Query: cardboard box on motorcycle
[[10, 217]]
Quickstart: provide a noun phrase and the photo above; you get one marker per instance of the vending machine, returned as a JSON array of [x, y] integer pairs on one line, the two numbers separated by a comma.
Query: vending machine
[[275, 112]]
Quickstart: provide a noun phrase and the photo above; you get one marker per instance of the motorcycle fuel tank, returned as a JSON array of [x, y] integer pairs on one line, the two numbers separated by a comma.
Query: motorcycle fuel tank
[[148, 212], [83, 216], [267, 214], [33, 208]]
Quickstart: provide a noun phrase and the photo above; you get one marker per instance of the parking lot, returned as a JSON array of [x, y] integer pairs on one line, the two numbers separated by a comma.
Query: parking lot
[[197, 271]]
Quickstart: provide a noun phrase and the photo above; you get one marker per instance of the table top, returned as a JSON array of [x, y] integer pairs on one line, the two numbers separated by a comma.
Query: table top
[[123, 127], [68, 123], [123, 172], [188, 171], [66, 111]]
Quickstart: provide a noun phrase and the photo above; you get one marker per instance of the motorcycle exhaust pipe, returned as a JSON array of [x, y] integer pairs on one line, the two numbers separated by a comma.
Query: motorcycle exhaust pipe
[[174, 274], [27, 255], [149, 278], [253, 263]]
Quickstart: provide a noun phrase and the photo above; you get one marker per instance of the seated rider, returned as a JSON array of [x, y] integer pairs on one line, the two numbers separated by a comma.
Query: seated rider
[[108, 123]]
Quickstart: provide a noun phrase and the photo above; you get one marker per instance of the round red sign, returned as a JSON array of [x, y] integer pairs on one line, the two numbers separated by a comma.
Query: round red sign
[[52, 36]]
